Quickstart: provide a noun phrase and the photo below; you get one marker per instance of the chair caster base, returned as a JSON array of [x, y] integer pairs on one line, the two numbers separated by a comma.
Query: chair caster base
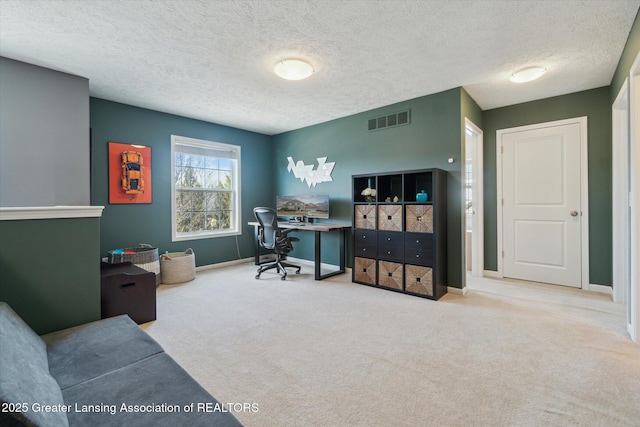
[[280, 268]]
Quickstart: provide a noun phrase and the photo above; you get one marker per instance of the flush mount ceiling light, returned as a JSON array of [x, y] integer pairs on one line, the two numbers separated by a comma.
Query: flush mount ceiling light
[[527, 74], [293, 69]]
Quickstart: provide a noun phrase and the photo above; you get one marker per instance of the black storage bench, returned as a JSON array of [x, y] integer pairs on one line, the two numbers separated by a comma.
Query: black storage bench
[[127, 289]]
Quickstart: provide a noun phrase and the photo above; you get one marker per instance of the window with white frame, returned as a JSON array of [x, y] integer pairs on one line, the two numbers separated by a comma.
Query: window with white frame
[[205, 189]]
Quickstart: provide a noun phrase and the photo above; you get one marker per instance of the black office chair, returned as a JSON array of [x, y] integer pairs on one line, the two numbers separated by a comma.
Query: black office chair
[[270, 236]]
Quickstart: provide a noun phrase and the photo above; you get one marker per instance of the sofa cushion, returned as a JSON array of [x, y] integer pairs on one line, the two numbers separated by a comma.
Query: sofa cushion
[[88, 351], [156, 381], [24, 374]]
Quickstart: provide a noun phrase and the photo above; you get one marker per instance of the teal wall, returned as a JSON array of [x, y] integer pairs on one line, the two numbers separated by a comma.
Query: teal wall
[[50, 271], [629, 55], [470, 110], [129, 225], [594, 104], [433, 136]]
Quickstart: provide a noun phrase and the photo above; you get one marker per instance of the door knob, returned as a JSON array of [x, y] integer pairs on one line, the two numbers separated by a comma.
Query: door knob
[[573, 213]]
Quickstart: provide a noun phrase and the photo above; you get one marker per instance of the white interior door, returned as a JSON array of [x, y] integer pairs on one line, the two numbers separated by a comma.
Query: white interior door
[[541, 212]]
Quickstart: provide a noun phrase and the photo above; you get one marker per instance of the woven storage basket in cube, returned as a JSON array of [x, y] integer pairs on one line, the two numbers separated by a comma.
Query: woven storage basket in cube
[[365, 270], [420, 218], [419, 280], [365, 217], [390, 217], [390, 274]]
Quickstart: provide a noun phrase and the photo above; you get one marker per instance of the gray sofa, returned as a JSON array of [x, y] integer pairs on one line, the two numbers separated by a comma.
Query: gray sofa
[[105, 373]]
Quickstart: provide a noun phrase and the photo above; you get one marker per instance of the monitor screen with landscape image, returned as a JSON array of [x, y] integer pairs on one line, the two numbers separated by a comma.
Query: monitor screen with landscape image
[[303, 206]]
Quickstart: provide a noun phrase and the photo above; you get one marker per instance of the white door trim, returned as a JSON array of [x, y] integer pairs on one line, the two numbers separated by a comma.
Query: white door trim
[[633, 324], [477, 236], [620, 194], [584, 190]]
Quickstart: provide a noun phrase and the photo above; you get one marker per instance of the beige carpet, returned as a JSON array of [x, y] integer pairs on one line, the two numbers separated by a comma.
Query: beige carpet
[[335, 353]]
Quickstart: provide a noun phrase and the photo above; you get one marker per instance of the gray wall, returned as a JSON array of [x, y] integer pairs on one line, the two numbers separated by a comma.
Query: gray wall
[[44, 137]]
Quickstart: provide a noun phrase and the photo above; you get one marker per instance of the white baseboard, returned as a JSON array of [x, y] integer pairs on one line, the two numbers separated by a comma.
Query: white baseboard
[[323, 265], [492, 274], [601, 289], [267, 258], [224, 264], [457, 291], [293, 260]]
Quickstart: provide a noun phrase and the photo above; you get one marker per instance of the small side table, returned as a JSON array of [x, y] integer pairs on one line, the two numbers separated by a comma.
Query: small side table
[[127, 289]]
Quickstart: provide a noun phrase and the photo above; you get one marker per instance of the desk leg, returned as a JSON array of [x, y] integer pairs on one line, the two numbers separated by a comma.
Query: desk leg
[[318, 254], [343, 242], [256, 258], [318, 275]]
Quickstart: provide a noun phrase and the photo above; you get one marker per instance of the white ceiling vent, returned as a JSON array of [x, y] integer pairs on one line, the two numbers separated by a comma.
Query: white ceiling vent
[[400, 118]]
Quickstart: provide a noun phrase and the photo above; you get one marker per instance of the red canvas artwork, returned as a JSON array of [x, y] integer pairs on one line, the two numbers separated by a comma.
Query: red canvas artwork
[[129, 173]]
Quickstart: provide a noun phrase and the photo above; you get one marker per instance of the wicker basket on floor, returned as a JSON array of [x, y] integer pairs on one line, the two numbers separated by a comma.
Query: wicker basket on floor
[[144, 256], [178, 267]]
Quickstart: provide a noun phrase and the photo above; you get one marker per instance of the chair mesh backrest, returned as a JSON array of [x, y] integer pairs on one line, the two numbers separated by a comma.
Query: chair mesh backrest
[[268, 231]]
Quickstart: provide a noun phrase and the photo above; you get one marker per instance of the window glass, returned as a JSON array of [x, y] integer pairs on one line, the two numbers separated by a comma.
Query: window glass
[[205, 189]]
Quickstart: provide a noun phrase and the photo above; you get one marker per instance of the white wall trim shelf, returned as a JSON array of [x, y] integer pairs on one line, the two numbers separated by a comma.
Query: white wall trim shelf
[[49, 212]]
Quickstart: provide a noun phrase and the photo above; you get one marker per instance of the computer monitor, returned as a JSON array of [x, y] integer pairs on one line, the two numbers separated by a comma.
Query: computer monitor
[[303, 206]]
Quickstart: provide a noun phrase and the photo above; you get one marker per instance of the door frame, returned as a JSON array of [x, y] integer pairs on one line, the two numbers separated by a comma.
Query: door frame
[[477, 236], [584, 190], [633, 324], [621, 237]]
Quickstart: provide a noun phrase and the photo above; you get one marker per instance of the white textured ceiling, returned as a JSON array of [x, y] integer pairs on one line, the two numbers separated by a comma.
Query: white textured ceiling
[[213, 60]]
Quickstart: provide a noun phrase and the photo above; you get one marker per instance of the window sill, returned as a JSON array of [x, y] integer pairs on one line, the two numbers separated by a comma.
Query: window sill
[[197, 236]]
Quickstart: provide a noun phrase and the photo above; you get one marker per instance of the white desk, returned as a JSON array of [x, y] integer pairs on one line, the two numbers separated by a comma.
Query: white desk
[[318, 228]]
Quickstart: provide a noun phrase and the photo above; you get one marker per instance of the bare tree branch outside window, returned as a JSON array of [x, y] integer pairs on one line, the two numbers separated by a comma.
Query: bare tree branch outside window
[[204, 188]]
